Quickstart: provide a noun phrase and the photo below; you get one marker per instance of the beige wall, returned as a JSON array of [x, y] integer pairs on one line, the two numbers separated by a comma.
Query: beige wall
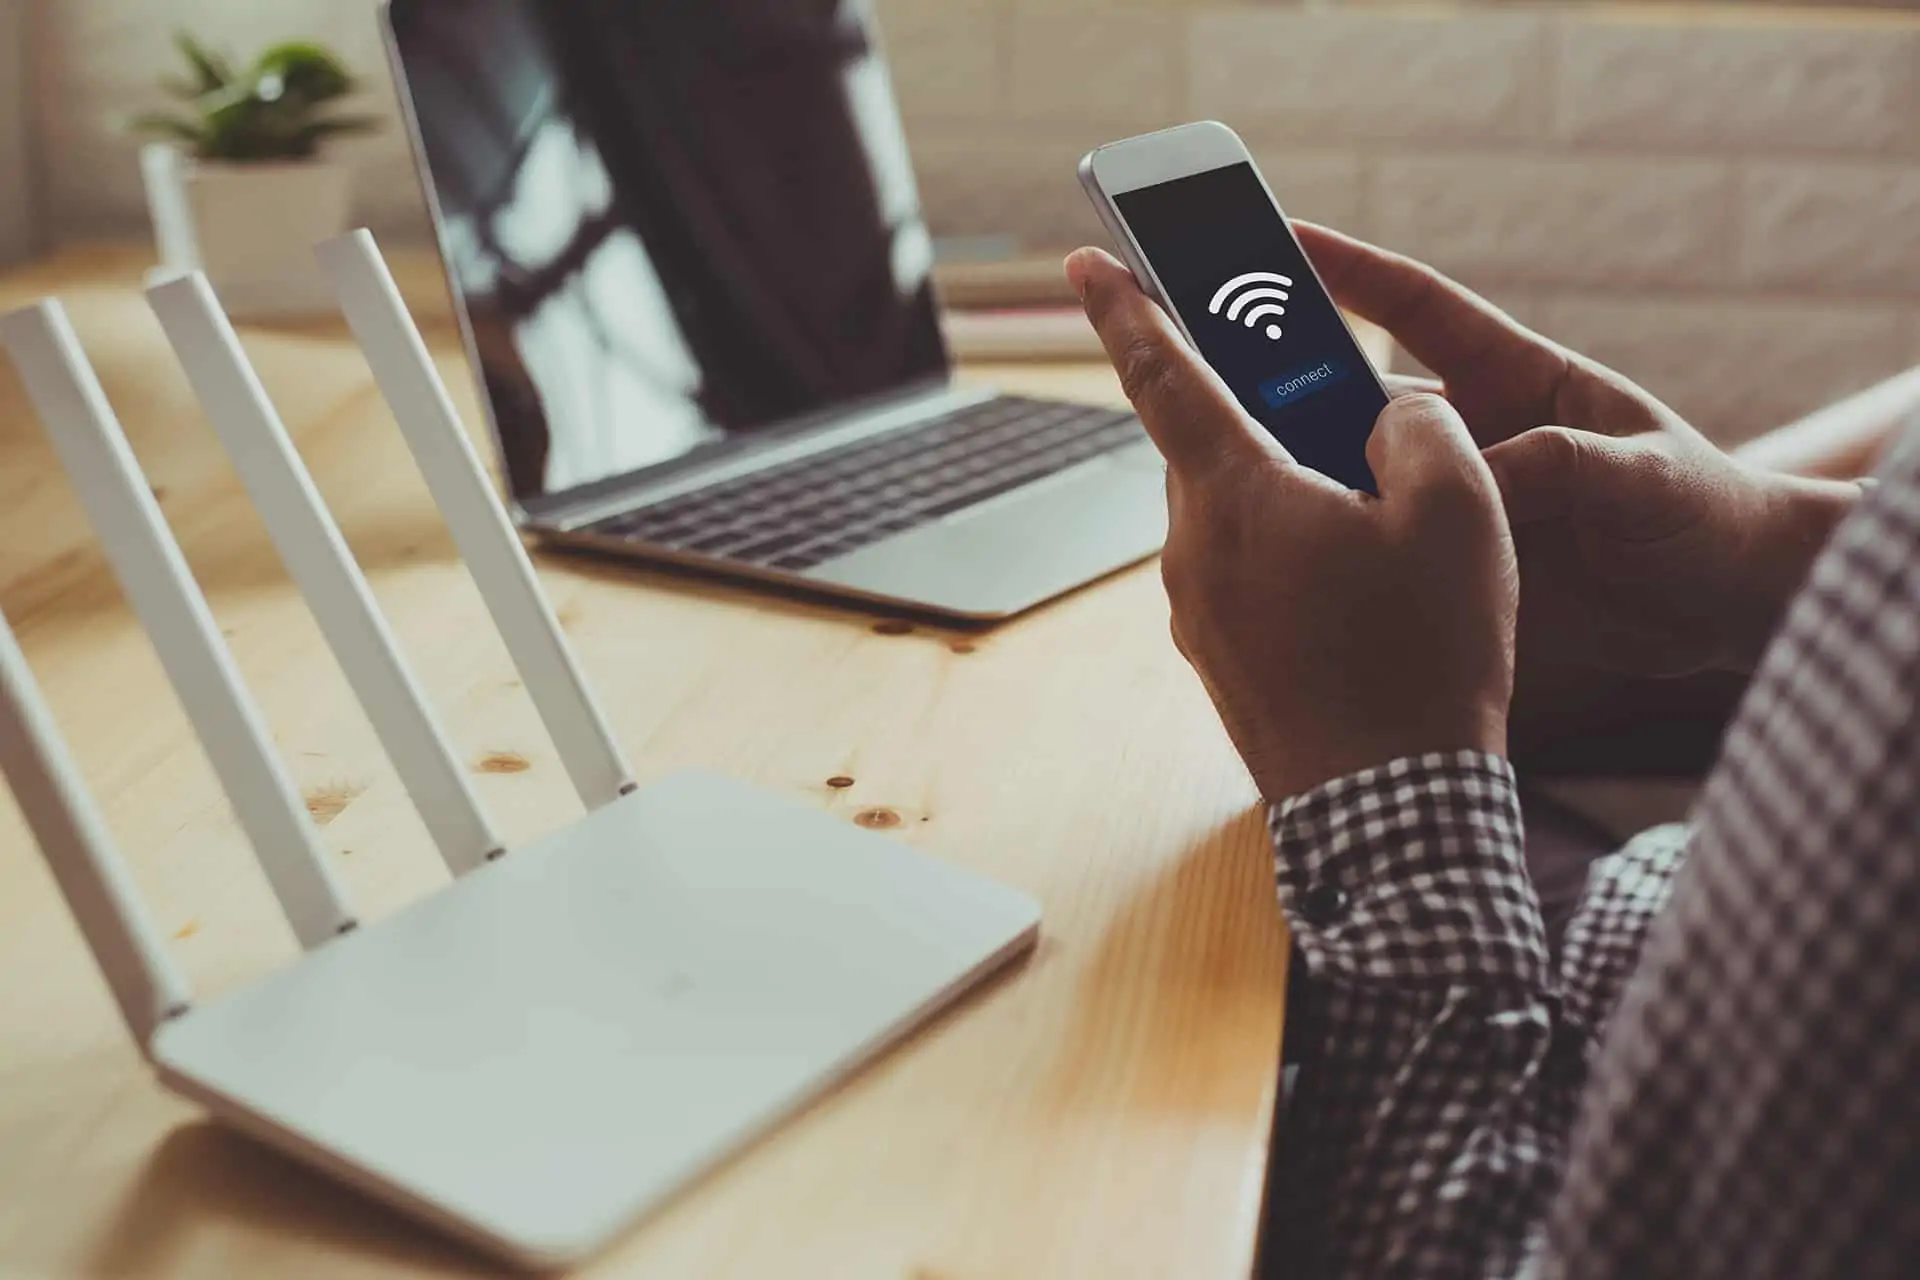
[[96, 64], [1726, 206], [16, 222]]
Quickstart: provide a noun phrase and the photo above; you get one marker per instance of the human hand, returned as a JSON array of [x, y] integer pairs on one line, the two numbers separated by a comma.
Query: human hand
[[1333, 630], [1645, 551]]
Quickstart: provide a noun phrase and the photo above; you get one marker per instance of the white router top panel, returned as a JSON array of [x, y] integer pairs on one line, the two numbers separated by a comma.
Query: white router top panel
[[547, 1048]]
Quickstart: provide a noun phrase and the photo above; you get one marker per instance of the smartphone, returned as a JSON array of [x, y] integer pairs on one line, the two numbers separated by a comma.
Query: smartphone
[[1202, 233]]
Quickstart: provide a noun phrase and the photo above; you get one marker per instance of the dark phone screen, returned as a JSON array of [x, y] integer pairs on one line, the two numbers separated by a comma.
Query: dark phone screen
[[1241, 285]]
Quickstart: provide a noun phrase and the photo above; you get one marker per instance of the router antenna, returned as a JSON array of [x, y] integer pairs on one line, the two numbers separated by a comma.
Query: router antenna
[[464, 494], [156, 579], [73, 838], [317, 556]]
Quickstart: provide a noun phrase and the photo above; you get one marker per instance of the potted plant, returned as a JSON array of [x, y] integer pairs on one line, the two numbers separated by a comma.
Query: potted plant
[[238, 182]]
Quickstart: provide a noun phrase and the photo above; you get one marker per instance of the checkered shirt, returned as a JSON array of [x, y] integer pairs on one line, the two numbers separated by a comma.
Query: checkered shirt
[[1719, 1074]]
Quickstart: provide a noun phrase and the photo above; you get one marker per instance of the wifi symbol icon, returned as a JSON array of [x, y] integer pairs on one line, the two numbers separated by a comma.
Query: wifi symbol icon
[[1248, 299]]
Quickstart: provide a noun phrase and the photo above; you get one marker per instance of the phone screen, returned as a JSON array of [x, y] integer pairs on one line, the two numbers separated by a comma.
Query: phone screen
[[1241, 285]]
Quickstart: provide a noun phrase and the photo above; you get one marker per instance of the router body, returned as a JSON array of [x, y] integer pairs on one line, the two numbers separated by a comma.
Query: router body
[[546, 1049], [538, 1054]]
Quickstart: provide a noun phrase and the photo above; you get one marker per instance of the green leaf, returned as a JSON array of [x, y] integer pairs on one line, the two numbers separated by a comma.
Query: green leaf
[[344, 126], [171, 128], [312, 135], [182, 88], [211, 70], [226, 101], [271, 111], [308, 71]]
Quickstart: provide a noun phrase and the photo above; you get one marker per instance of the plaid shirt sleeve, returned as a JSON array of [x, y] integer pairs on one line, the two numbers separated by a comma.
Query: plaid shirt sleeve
[[1450, 1050], [1752, 1112]]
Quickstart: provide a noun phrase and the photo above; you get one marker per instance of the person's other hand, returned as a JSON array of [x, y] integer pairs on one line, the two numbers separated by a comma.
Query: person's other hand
[[1333, 630], [1645, 551]]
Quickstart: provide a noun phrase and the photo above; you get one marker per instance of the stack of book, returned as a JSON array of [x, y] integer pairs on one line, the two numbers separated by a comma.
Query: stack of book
[[1012, 308], [1021, 308]]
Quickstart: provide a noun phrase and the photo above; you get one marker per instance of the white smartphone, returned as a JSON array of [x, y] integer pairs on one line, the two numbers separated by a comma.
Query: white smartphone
[[1202, 233]]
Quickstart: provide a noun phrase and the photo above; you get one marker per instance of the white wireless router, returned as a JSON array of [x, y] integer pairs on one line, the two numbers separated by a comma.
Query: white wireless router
[[542, 1051]]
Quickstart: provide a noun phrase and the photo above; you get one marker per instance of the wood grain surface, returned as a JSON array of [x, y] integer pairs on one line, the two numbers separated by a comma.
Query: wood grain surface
[[1102, 1111]]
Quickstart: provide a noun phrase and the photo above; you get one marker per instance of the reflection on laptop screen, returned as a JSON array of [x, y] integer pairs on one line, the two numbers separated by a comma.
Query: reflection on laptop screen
[[670, 220]]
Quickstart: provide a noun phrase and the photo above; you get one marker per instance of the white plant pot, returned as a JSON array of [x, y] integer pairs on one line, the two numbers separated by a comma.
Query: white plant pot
[[250, 227]]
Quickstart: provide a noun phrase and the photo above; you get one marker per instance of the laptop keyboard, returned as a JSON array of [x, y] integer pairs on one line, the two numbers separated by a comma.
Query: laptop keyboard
[[811, 510]]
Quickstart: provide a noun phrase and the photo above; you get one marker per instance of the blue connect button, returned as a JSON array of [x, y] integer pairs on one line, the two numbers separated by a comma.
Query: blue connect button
[[1301, 383]]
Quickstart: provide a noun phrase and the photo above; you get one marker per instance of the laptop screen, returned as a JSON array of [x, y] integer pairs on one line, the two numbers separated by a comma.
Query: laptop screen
[[670, 221]]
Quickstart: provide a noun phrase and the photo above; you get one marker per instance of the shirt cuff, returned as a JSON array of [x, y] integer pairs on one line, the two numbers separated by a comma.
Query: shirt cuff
[[1412, 873]]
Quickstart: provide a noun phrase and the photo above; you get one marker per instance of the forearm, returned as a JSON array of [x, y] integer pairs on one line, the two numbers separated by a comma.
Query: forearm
[[1799, 516], [1447, 1052], [1620, 728], [1842, 441]]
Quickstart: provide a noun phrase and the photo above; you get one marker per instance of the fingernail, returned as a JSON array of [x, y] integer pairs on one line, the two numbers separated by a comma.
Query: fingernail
[[1077, 274]]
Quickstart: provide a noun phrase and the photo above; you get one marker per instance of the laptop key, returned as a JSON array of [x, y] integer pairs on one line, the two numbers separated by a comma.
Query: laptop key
[[766, 546], [810, 510]]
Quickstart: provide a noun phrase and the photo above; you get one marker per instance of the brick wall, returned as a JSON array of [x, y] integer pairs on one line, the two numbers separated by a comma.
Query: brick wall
[[1721, 201]]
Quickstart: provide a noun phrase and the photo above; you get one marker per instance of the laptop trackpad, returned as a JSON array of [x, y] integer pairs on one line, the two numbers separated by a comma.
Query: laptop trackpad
[[1014, 551]]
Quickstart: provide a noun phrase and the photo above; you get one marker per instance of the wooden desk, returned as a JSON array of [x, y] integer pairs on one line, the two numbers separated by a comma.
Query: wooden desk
[[1103, 1111]]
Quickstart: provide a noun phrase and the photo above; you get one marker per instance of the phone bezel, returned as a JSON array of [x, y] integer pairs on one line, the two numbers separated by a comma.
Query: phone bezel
[[1149, 159], [1153, 158]]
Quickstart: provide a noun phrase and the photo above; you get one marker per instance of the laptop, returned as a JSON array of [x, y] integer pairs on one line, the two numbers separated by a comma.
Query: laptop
[[692, 273]]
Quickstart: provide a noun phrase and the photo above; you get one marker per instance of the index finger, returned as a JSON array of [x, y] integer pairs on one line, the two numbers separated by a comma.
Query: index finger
[[1444, 325], [1193, 419]]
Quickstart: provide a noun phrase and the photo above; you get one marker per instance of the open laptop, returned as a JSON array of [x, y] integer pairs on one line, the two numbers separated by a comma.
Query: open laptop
[[695, 282]]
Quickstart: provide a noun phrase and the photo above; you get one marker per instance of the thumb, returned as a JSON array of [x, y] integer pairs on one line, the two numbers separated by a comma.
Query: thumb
[[1186, 409], [1420, 446], [1538, 471]]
